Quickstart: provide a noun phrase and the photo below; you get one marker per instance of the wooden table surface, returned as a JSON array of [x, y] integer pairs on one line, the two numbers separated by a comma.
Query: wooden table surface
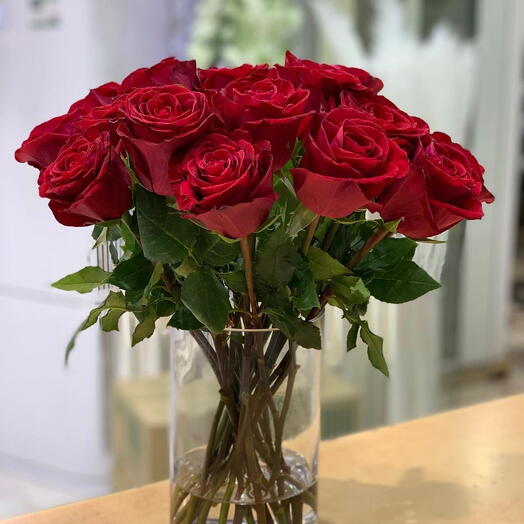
[[463, 466]]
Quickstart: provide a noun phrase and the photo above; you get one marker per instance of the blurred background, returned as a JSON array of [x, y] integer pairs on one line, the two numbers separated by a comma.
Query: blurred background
[[100, 424]]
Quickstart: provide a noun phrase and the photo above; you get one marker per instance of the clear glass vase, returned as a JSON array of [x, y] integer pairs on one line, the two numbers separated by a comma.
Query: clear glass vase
[[245, 426]]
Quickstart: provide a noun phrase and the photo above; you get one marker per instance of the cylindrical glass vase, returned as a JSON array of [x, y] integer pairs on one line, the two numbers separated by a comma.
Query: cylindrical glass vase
[[245, 426]]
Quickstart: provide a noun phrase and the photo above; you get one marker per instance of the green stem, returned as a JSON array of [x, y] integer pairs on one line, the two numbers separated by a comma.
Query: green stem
[[310, 233], [248, 270], [330, 235]]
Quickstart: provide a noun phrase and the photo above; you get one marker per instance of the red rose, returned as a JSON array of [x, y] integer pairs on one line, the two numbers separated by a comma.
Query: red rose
[[225, 182], [348, 160], [87, 182], [269, 107], [45, 141], [158, 121], [395, 122], [445, 185], [216, 78], [168, 71], [326, 81]]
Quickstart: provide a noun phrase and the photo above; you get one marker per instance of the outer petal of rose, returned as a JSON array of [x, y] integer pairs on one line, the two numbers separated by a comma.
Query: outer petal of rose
[[63, 215], [216, 78], [168, 71], [407, 200], [281, 133], [328, 196], [238, 220], [150, 160], [45, 141], [107, 198]]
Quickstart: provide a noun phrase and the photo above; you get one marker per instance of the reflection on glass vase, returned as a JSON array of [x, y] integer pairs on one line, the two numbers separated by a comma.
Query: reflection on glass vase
[[244, 428]]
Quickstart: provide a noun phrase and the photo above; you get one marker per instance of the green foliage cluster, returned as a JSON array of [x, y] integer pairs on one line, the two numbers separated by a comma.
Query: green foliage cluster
[[168, 266]]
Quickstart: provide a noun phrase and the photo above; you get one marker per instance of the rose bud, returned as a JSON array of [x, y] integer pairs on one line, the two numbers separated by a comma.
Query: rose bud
[[225, 182], [45, 141], [268, 107], [445, 185], [87, 183], [348, 161], [326, 81], [157, 121]]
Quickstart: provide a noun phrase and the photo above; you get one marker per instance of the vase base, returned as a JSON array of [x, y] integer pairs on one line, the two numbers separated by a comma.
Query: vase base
[[309, 518]]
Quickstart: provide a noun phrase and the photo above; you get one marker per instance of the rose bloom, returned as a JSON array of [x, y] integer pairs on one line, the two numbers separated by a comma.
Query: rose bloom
[[157, 122], [325, 81], [166, 72], [445, 185], [406, 129], [225, 182], [348, 161], [45, 141], [267, 106], [215, 78], [87, 183]]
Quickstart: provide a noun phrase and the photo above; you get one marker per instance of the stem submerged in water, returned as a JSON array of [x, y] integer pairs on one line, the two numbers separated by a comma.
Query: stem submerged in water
[[245, 459]]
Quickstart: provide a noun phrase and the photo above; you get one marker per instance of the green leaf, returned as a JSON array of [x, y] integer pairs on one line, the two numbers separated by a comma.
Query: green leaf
[[324, 266], [235, 280], [83, 281], [351, 341], [391, 226], [109, 322], [144, 329], [158, 269], [387, 254], [211, 249], [132, 274], [184, 319], [301, 217], [375, 348], [166, 238], [304, 333], [403, 283], [305, 288], [113, 300], [275, 260], [350, 290], [282, 316], [207, 298], [186, 268]]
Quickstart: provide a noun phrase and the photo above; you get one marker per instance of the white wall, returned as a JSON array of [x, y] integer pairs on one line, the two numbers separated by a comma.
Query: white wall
[[51, 423]]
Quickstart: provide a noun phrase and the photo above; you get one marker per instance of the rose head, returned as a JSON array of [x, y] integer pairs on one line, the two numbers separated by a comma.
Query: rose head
[[168, 71], [325, 81], [348, 160], [157, 122], [270, 108], [45, 141], [225, 182], [445, 185], [216, 78], [87, 183], [406, 129]]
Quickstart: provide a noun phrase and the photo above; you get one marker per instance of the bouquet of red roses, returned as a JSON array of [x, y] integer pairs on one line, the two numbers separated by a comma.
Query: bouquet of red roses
[[241, 197]]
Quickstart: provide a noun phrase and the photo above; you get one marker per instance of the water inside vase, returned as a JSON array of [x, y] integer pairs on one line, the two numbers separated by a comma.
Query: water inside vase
[[299, 484]]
